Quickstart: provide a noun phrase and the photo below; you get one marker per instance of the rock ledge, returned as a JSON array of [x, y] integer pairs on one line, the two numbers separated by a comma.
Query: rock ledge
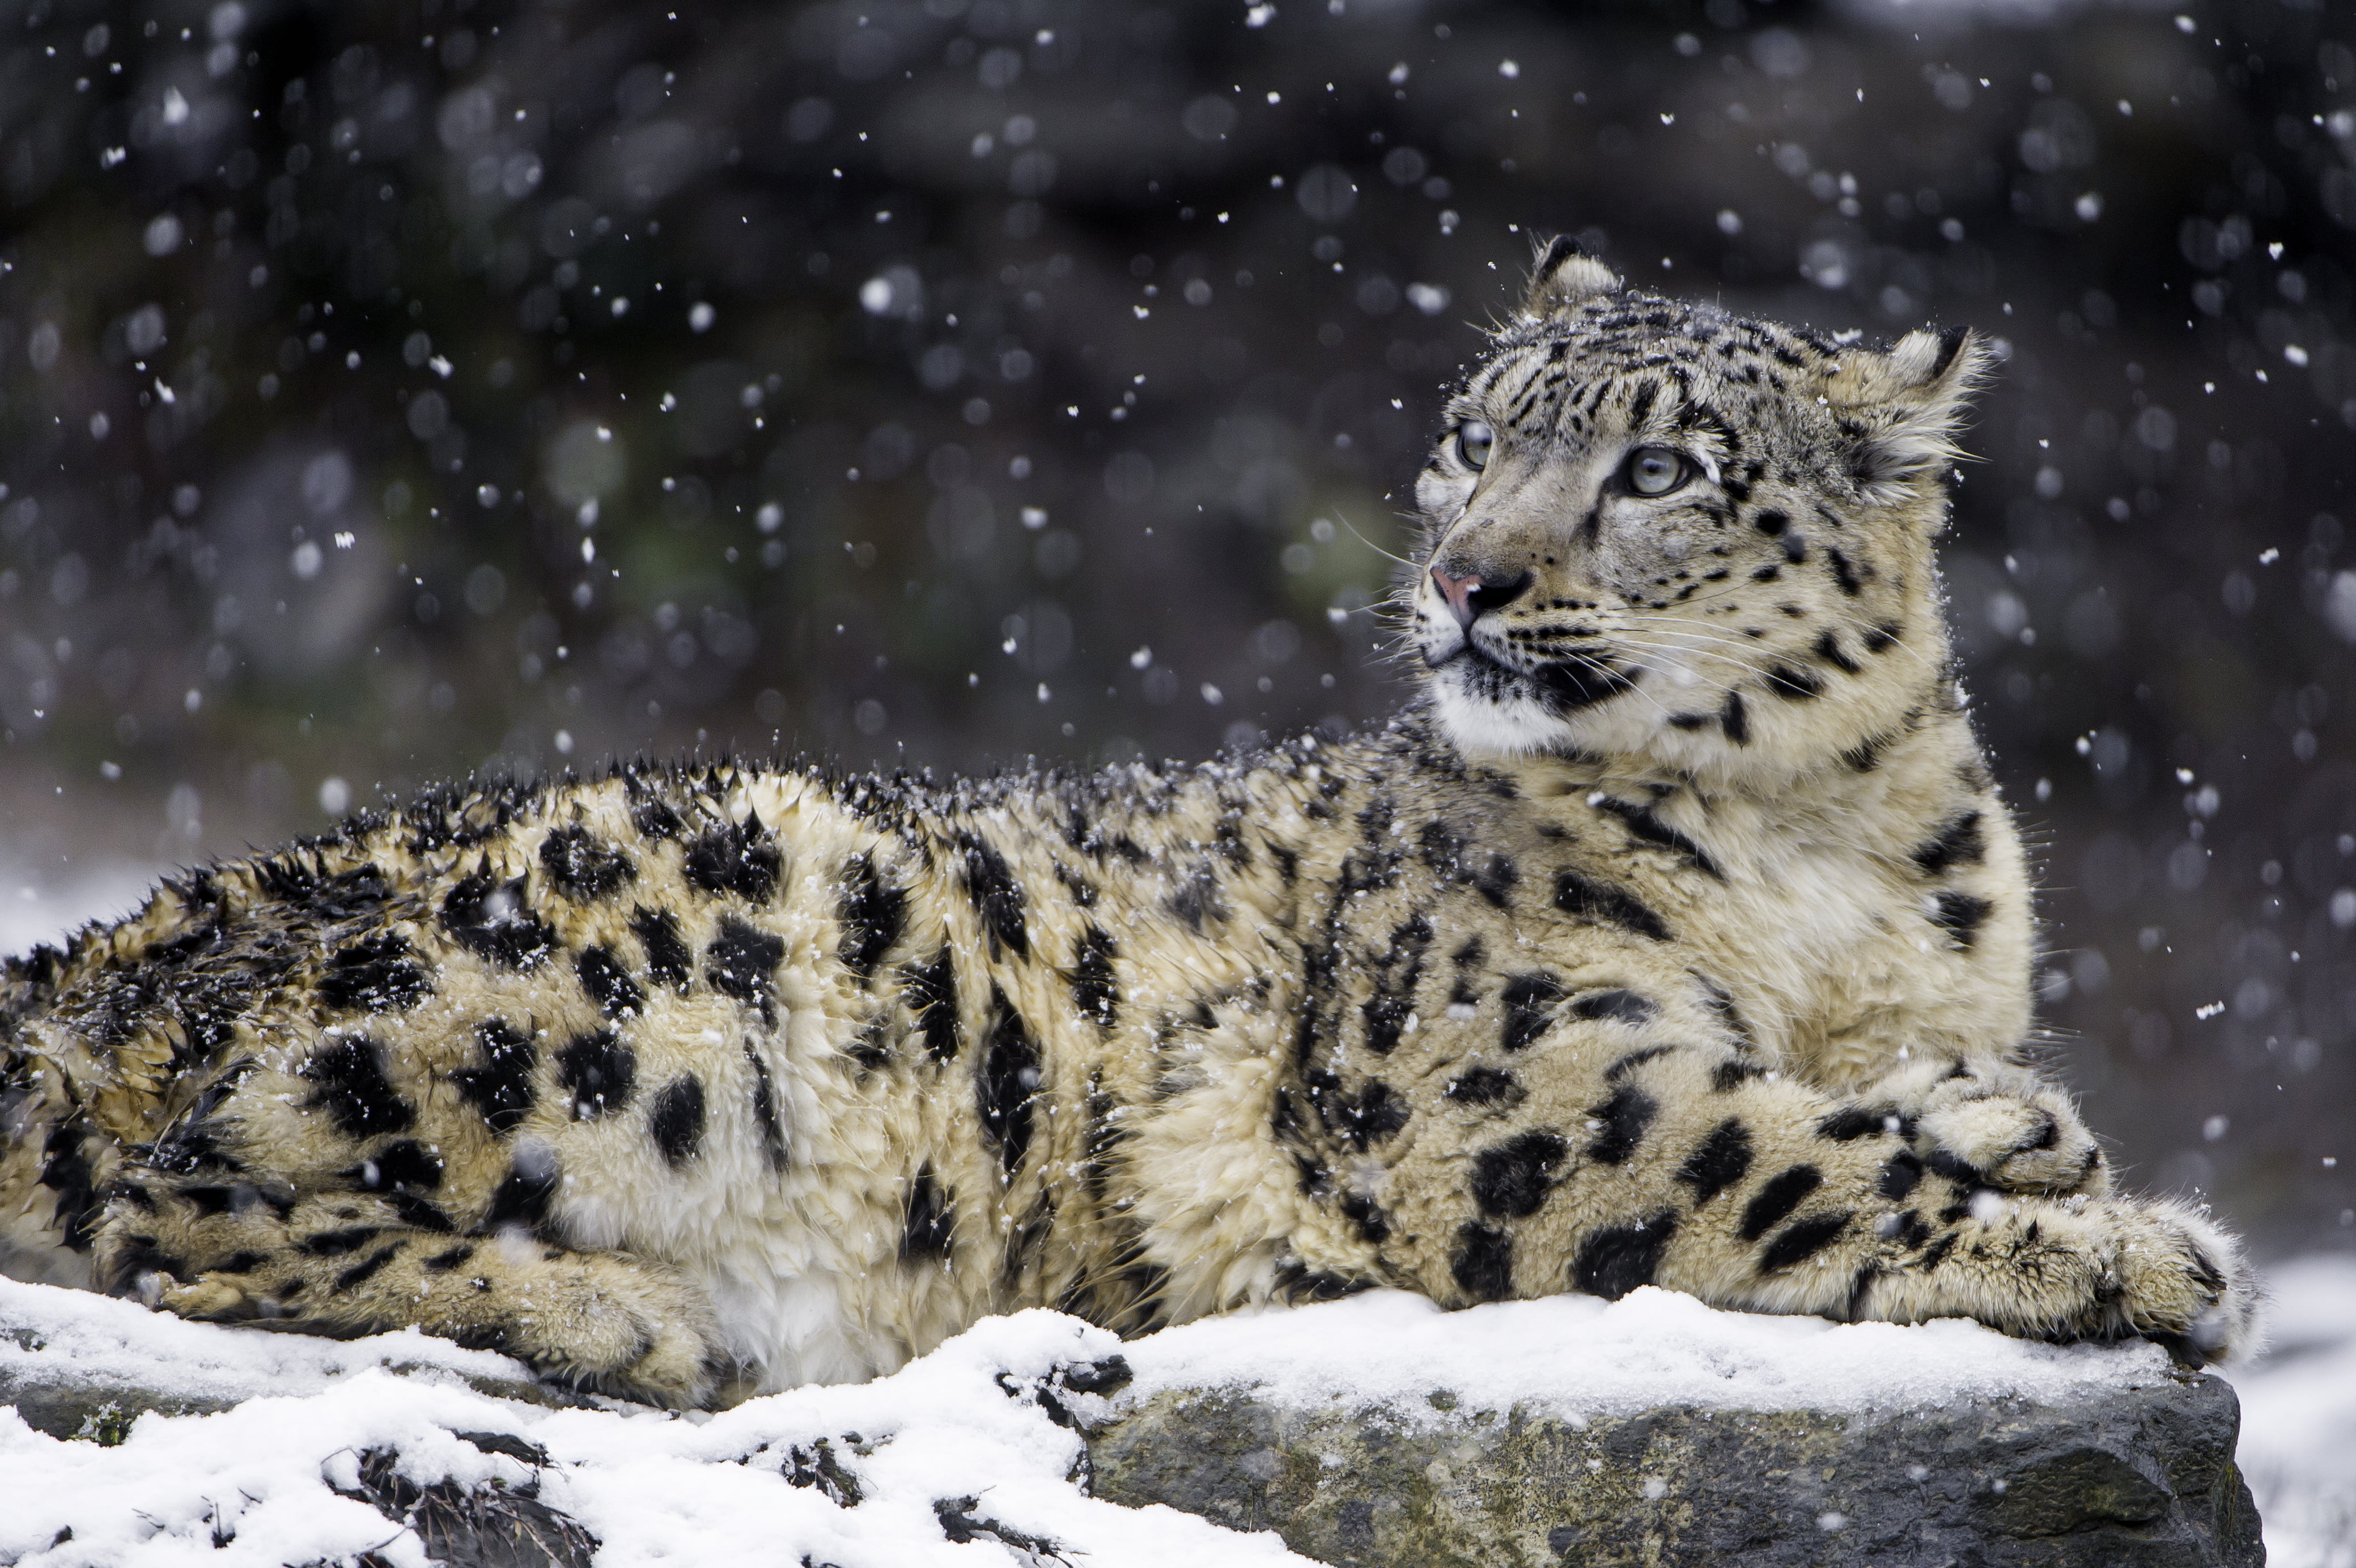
[[1378, 1430], [2120, 1478]]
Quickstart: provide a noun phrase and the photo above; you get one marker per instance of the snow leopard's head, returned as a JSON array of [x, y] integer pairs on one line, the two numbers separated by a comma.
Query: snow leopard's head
[[1654, 528]]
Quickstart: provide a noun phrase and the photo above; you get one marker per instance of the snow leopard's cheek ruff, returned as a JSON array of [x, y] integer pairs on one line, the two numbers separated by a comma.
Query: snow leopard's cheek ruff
[[1656, 527]]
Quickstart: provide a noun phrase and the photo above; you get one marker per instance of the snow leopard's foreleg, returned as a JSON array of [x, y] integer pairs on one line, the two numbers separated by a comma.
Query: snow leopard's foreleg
[[1663, 1161], [1838, 1212]]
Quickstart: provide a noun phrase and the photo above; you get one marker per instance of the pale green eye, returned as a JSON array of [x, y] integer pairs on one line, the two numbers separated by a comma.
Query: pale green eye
[[1473, 440], [1655, 470]]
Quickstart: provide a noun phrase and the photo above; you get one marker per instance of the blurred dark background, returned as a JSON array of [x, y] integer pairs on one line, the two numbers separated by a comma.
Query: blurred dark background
[[392, 390]]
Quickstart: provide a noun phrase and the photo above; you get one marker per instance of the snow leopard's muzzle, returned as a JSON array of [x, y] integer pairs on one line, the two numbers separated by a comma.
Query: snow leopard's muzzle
[[1485, 660]]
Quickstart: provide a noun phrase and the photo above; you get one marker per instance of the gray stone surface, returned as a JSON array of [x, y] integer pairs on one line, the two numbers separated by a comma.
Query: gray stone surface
[[2127, 1478]]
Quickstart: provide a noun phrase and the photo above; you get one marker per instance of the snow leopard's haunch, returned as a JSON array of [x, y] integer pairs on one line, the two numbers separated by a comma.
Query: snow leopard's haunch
[[1678, 937]]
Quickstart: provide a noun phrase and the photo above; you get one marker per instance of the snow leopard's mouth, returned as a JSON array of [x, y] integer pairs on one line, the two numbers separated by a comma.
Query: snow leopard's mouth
[[1563, 686]]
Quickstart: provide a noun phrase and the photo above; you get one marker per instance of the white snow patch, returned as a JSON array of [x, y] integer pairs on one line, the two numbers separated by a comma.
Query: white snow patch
[[1581, 1356], [653, 1487], [2298, 1415], [46, 904]]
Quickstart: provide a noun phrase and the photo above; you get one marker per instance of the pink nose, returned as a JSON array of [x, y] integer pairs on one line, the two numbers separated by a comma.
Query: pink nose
[[1459, 592], [1472, 596]]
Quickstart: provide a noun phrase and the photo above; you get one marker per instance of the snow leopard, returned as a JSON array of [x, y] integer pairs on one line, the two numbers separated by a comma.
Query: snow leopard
[[1676, 935]]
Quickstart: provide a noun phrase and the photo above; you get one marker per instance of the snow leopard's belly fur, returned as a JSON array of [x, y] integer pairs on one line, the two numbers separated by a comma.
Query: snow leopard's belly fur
[[683, 1080]]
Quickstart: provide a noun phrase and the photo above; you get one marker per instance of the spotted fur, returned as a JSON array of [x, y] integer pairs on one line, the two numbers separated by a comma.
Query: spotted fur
[[1677, 937]]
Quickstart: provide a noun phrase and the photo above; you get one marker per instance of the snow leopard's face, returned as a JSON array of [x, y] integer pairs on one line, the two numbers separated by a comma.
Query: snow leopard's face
[[1655, 527]]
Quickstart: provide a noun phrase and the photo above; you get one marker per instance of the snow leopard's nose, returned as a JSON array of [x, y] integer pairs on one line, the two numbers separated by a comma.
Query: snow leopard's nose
[[1470, 596]]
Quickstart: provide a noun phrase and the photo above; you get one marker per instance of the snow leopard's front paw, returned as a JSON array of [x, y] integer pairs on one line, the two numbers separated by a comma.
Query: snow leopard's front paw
[[1990, 1124], [2076, 1269], [2183, 1284]]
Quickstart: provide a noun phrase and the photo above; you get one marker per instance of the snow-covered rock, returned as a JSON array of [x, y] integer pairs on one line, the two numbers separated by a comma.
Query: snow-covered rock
[[1655, 1429], [325, 1440], [1374, 1430]]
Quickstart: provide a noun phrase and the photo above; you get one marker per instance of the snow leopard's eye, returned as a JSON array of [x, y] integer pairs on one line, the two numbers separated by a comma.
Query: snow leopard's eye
[[1473, 440], [1655, 470]]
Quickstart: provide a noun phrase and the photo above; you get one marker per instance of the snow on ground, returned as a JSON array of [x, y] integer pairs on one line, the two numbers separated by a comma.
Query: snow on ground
[[652, 1487], [44, 902], [657, 1488], [2298, 1416]]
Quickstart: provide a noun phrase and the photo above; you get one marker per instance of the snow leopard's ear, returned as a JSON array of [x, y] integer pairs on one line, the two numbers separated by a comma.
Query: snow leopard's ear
[[1905, 408], [1565, 278]]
